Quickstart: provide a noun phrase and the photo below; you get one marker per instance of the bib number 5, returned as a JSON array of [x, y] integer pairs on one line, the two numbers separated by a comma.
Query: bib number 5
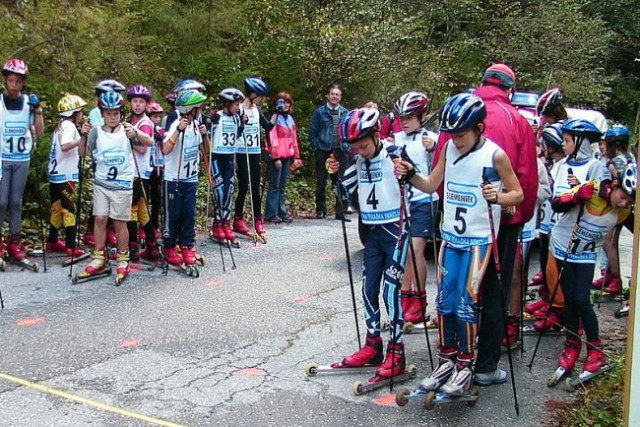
[[459, 218]]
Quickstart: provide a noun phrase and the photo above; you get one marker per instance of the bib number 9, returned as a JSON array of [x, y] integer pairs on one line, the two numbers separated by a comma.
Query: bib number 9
[[112, 174]]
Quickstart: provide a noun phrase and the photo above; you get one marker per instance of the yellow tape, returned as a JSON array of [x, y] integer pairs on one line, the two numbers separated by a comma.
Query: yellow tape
[[88, 402]]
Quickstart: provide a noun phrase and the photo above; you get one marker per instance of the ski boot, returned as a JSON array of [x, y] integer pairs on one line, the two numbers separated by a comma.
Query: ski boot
[[392, 369], [229, 235], [413, 308], [552, 320], [513, 332], [461, 379], [18, 256], [189, 257], [541, 313], [134, 252], [594, 365], [261, 232], [240, 226], [613, 286], [368, 358], [446, 366], [217, 233], [112, 237], [566, 363], [537, 279], [57, 247], [599, 283], [75, 255], [173, 258], [89, 239], [536, 306], [122, 266], [151, 252], [97, 268]]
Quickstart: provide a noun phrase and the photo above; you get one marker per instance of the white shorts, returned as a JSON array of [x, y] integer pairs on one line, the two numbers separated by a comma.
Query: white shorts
[[116, 204]]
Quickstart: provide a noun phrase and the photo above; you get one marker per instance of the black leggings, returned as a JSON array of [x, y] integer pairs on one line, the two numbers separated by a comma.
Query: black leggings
[[243, 182], [576, 286], [155, 196]]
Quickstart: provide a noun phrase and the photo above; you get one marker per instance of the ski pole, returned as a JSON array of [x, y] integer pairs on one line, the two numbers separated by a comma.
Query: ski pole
[[423, 303], [523, 290], [576, 227], [253, 219], [339, 192], [496, 260], [38, 195], [81, 161]]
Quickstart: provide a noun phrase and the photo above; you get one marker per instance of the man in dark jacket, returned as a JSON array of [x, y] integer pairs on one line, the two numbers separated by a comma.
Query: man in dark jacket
[[323, 133]]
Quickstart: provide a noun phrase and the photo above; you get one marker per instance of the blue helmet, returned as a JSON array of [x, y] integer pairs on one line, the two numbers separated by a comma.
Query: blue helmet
[[618, 133], [256, 85], [552, 136], [111, 100], [582, 128], [462, 112]]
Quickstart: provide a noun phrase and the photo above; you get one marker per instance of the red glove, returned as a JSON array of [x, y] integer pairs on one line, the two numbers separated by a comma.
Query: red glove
[[584, 193]]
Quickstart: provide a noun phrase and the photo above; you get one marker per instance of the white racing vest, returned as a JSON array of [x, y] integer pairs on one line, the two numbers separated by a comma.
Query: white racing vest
[[466, 215], [17, 140], [144, 159], [597, 220], [250, 140], [529, 228], [546, 214], [418, 155], [378, 190], [114, 161], [182, 163], [224, 135], [63, 165]]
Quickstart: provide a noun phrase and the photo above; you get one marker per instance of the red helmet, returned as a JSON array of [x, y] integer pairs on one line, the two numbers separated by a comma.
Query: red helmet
[[500, 75], [548, 101], [153, 107], [411, 104], [15, 66], [358, 124]]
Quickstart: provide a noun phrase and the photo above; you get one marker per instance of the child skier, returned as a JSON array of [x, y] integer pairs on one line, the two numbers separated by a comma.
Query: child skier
[[22, 123], [139, 97], [248, 151], [110, 149], [410, 109], [181, 149], [371, 173], [590, 210], [63, 175], [155, 113], [579, 166], [473, 168], [226, 129]]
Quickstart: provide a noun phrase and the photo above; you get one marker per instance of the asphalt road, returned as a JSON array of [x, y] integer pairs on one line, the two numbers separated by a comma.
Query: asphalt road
[[226, 348]]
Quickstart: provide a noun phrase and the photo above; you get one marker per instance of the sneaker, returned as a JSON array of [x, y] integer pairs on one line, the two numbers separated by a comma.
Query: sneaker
[[496, 377], [287, 220], [275, 220]]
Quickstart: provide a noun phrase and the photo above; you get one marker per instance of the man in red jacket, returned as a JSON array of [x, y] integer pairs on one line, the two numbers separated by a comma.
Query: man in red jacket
[[511, 131]]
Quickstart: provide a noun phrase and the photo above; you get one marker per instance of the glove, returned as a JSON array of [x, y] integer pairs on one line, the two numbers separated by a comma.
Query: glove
[[34, 101], [584, 193], [332, 165]]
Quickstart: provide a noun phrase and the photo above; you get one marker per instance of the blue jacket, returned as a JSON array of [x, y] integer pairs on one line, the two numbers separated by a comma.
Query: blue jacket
[[321, 129]]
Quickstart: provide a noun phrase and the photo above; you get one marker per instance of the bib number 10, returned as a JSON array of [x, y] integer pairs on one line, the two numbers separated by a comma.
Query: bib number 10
[[19, 143]]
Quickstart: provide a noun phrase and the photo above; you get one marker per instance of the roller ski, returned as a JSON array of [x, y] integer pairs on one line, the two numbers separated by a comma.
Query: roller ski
[[122, 267], [241, 227], [16, 255], [415, 328], [174, 261], [435, 398], [431, 384], [595, 365], [566, 363], [392, 369], [368, 358], [96, 269], [74, 256], [190, 261]]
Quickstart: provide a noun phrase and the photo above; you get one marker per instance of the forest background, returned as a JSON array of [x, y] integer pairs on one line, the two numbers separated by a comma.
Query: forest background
[[376, 49]]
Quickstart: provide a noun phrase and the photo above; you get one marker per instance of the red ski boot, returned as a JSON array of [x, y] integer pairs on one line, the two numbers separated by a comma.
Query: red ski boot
[[369, 354], [75, 252], [229, 234], [599, 283], [89, 239], [595, 357], [172, 256], [239, 226], [537, 279], [394, 364], [536, 306], [122, 266], [151, 252], [217, 232], [14, 248], [58, 247], [416, 305], [513, 331], [99, 262], [112, 237], [189, 257], [553, 320], [613, 285], [261, 232], [542, 312], [570, 354]]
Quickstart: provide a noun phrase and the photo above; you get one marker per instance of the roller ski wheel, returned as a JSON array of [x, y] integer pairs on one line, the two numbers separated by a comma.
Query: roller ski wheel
[[572, 384], [312, 369], [120, 278], [262, 238], [557, 376], [86, 277], [201, 259], [401, 397], [192, 270], [433, 399], [377, 382], [68, 261], [3, 265]]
